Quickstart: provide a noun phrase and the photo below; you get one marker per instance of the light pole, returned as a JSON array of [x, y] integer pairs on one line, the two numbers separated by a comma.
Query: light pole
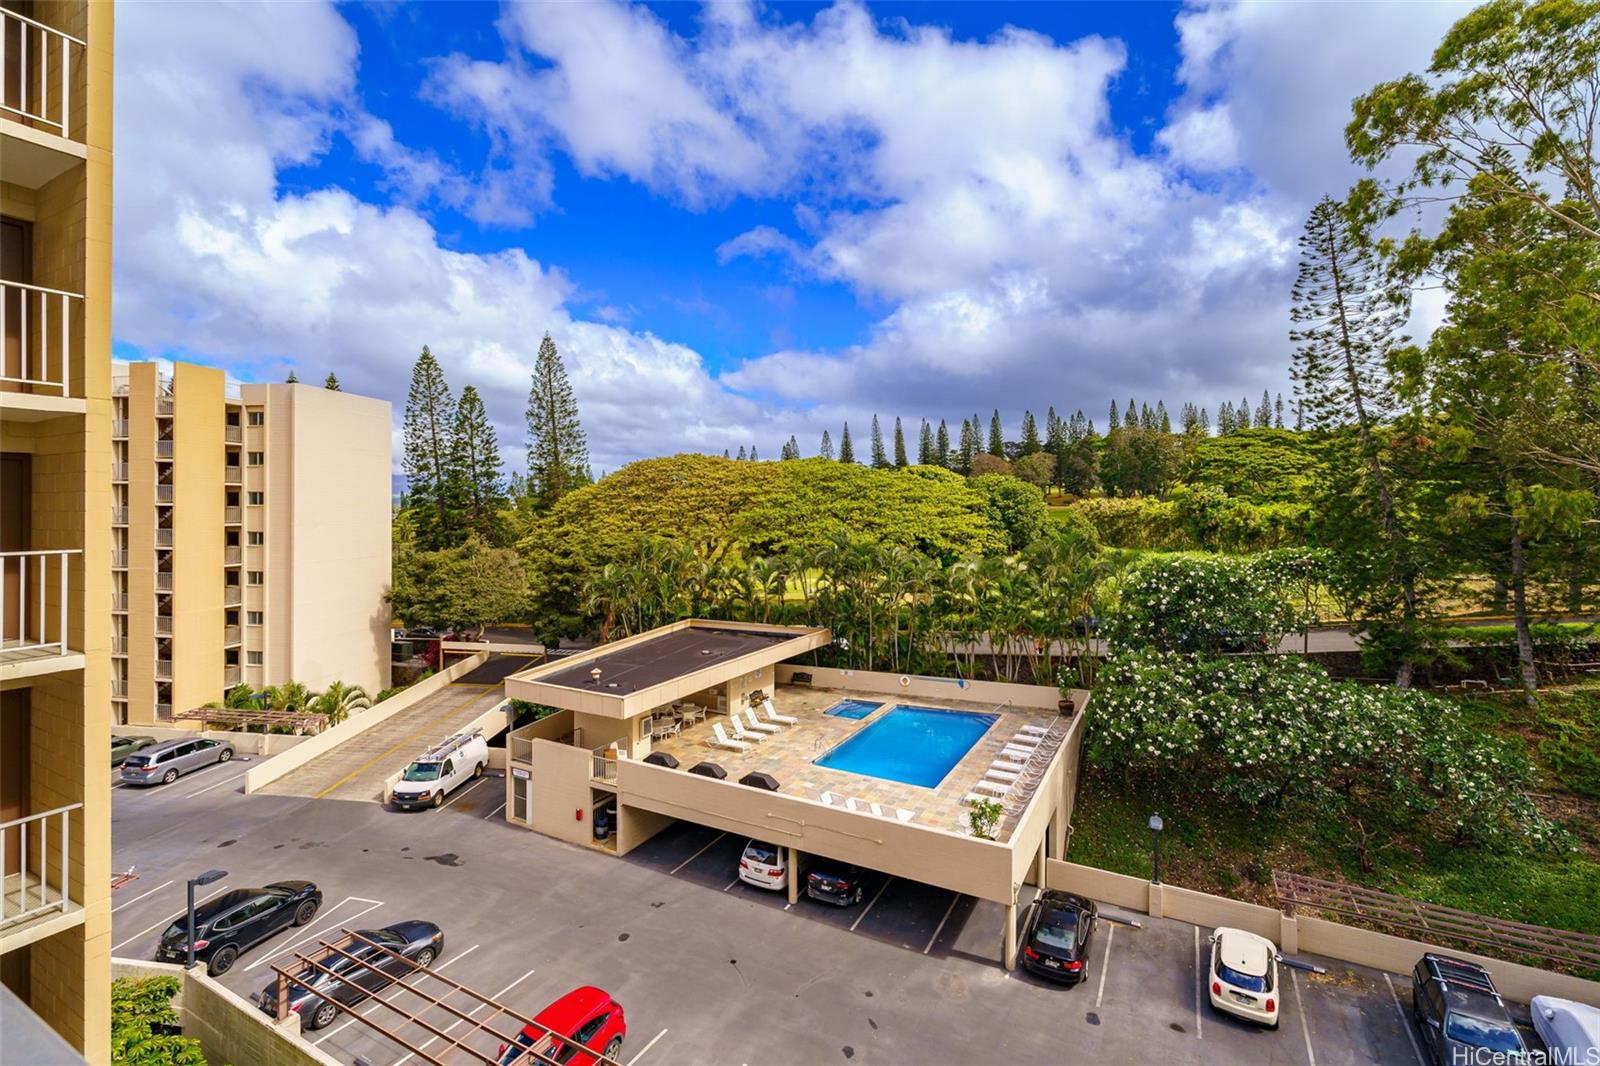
[[1156, 825], [204, 879]]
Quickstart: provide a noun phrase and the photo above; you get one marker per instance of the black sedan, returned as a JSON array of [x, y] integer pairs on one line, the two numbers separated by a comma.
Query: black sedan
[[343, 981], [235, 921], [833, 882], [1055, 944]]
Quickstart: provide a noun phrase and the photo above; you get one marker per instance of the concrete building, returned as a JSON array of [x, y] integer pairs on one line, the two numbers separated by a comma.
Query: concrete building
[[55, 541], [250, 539]]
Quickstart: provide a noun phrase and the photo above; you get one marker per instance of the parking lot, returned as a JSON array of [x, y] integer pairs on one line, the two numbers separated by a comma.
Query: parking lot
[[707, 968]]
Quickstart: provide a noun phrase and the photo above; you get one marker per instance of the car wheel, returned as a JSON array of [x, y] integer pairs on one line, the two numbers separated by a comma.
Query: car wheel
[[424, 958], [305, 912], [613, 1047], [222, 961], [169, 777], [438, 798], [477, 771], [227, 753], [324, 1015]]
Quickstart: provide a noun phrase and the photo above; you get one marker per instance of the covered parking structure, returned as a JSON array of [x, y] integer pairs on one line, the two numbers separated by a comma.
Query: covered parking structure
[[617, 704]]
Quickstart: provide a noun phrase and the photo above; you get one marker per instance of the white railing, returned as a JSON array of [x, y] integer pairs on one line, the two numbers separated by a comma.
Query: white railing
[[38, 76], [119, 471], [41, 321], [119, 516], [164, 449], [35, 894], [119, 688], [26, 622], [119, 428], [119, 559], [163, 625], [605, 769], [163, 581], [163, 669], [119, 601]]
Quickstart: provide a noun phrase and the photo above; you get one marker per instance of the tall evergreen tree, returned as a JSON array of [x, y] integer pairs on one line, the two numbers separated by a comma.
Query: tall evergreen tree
[[477, 486], [825, 449], [847, 451], [997, 436], [1225, 419], [880, 456], [558, 451], [1030, 434], [1243, 413], [900, 459], [426, 439], [791, 450], [941, 444], [1189, 418], [1205, 423], [1277, 412], [1113, 422], [742, 457], [1163, 422], [1264, 411], [969, 446], [754, 458], [292, 379], [925, 452], [332, 384]]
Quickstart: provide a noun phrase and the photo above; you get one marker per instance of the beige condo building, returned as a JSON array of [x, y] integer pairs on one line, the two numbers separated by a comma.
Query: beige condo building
[[250, 538], [55, 545]]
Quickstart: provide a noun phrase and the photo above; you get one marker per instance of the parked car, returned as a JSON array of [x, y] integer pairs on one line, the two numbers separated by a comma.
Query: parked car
[[1244, 975], [349, 983], [1055, 943], [437, 771], [234, 922], [1567, 1028], [586, 1016], [164, 763], [765, 866], [421, 633], [122, 747], [834, 882], [1460, 1012]]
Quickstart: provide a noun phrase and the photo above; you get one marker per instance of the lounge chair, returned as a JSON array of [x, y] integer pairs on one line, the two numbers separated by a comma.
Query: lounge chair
[[1011, 751], [827, 798], [877, 811], [1036, 730], [903, 815], [774, 716], [1001, 775], [722, 740], [757, 724], [991, 786], [1026, 740], [740, 732], [851, 805], [1008, 766]]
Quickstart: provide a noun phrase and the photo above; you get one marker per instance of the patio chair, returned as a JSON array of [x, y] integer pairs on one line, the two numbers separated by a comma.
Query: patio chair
[[665, 727], [757, 724], [877, 811], [903, 815], [1012, 751], [774, 716], [742, 733], [851, 805], [1001, 775], [1008, 766], [1036, 730], [827, 798], [721, 739], [1026, 740], [991, 786]]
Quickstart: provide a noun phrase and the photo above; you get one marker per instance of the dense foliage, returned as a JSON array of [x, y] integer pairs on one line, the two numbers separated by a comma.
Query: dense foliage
[[1208, 603], [144, 1027]]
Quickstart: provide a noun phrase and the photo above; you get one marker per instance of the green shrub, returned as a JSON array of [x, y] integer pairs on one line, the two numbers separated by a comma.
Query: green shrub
[[144, 1027]]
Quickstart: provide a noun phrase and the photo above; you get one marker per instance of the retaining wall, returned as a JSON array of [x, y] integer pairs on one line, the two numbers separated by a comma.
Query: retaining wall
[[244, 743]]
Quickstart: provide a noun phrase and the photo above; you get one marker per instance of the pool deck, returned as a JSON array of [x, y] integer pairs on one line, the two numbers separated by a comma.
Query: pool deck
[[788, 754]]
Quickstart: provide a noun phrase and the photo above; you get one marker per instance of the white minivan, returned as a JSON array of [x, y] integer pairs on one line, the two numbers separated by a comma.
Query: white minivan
[[428, 780], [765, 865]]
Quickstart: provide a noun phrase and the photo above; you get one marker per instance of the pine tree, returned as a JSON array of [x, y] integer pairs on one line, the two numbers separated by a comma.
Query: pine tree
[[847, 451], [1225, 419], [969, 446], [558, 451], [1113, 421], [477, 488], [726, 454], [754, 458], [1188, 418], [900, 459], [791, 450], [1277, 412], [741, 456], [332, 384], [292, 379], [1264, 411], [426, 439], [880, 457], [1205, 422], [1242, 413], [925, 445], [941, 445], [1147, 418], [825, 449], [1030, 434], [1163, 423], [997, 437]]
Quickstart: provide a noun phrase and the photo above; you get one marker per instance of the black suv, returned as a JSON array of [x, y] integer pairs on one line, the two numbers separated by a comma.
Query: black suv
[[1459, 1012], [235, 921]]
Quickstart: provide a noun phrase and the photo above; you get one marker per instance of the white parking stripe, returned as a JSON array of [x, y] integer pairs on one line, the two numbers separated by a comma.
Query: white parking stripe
[[396, 990], [1405, 1022], [1305, 1026], [137, 898], [633, 1061], [219, 784], [948, 911], [1105, 964], [697, 854], [1200, 985], [423, 1046], [375, 904], [167, 921], [464, 791], [730, 884], [875, 899], [494, 812]]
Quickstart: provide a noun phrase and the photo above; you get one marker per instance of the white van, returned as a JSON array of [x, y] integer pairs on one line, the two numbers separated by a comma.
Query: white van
[[765, 865], [426, 782]]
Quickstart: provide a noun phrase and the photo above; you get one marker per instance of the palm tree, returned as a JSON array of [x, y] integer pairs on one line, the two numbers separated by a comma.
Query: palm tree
[[338, 700], [289, 696]]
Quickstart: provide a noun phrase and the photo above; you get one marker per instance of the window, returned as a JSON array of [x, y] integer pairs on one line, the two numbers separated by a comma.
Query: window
[[256, 499], [253, 577], [258, 418], [256, 538], [256, 458], [253, 618], [252, 658]]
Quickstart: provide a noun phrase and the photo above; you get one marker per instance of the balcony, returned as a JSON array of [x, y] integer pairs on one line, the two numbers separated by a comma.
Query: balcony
[[231, 636], [232, 555], [119, 559], [232, 595], [233, 515], [163, 537], [232, 675], [119, 688], [164, 406], [232, 475], [119, 471], [38, 75], [163, 493], [119, 645], [33, 613], [163, 669], [39, 890], [163, 625], [164, 712], [163, 581], [119, 602], [37, 368], [164, 449], [119, 516], [119, 429], [233, 434]]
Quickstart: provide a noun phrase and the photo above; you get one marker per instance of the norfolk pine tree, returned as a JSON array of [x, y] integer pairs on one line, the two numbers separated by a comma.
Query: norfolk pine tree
[[332, 384], [880, 458], [825, 450], [941, 445], [997, 436], [477, 487], [426, 437], [847, 451], [558, 451], [900, 443]]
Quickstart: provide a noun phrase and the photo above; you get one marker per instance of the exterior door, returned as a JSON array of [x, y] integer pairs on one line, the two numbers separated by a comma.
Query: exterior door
[[14, 260], [16, 727], [16, 495]]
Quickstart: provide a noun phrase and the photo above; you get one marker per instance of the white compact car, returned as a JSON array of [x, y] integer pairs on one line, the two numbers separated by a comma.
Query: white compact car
[[1244, 975], [765, 865], [437, 771], [1572, 1029]]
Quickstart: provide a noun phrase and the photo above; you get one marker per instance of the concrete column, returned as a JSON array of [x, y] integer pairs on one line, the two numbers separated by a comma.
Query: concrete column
[[1011, 936], [1039, 878], [1058, 835], [1158, 899], [1288, 935], [794, 875]]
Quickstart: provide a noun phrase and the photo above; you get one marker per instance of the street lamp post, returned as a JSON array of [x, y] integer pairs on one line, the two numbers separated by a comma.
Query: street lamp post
[[204, 879], [1156, 825]]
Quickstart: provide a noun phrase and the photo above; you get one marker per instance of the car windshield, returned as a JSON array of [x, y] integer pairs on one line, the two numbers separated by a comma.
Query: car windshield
[[517, 1052], [1058, 929], [1248, 981], [422, 771], [1480, 1032], [762, 853], [180, 928]]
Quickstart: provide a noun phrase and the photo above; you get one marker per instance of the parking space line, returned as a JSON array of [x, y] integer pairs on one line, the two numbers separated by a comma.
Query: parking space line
[[647, 1047], [697, 854], [1199, 985], [219, 784], [167, 921], [1105, 964], [730, 884], [1305, 1026], [494, 812], [423, 1046], [375, 904], [390, 999], [464, 791], [948, 911], [1405, 1023], [869, 906], [140, 896]]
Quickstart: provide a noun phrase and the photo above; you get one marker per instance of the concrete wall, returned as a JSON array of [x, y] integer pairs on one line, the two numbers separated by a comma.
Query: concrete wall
[[1039, 696], [561, 790], [197, 532], [328, 739], [244, 743]]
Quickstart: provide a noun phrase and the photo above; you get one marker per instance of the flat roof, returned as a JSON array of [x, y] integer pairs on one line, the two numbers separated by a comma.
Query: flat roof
[[664, 657]]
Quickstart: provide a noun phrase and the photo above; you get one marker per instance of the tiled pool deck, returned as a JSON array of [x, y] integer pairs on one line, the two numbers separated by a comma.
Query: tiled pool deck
[[788, 754]]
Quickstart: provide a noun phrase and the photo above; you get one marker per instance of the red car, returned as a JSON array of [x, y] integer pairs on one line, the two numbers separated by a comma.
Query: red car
[[586, 1016]]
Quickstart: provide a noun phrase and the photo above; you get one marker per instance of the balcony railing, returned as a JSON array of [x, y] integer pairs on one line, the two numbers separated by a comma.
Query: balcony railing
[[232, 595], [119, 688], [164, 406], [119, 471], [119, 516], [119, 429], [233, 434], [39, 322], [232, 675], [119, 645], [164, 449], [230, 635], [164, 712], [37, 868], [163, 669], [163, 625], [163, 537], [163, 581], [119, 559], [232, 515], [232, 555], [119, 601], [232, 475], [163, 493], [38, 76], [33, 601], [605, 762]]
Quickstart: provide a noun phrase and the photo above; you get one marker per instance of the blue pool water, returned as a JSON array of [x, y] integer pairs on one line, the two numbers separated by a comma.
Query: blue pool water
[[913, 745], [852, 708]]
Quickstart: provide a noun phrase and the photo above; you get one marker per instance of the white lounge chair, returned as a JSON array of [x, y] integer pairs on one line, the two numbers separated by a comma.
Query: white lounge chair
[[827, 798], [991, 786], [1016, 753], [1036, 730], [877, 811], [1001, 775], [774, 716], [1008, 766], [1025, 740], [757, 724], [850, 804], [722, 740], [742, 733], [903, 815]]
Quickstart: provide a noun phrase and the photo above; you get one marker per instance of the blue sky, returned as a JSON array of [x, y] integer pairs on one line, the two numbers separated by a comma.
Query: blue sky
[[738, 222]]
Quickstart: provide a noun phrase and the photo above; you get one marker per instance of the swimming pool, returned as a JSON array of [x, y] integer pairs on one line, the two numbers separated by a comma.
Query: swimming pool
[[912, 745], [852, 708]]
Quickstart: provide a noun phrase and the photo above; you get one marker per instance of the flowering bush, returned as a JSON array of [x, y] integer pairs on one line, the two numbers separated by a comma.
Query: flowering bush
[[1207, 603], [1262, 732]]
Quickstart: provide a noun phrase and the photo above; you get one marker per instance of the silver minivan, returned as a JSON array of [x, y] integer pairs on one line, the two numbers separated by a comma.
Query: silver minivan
[[164, 763]]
